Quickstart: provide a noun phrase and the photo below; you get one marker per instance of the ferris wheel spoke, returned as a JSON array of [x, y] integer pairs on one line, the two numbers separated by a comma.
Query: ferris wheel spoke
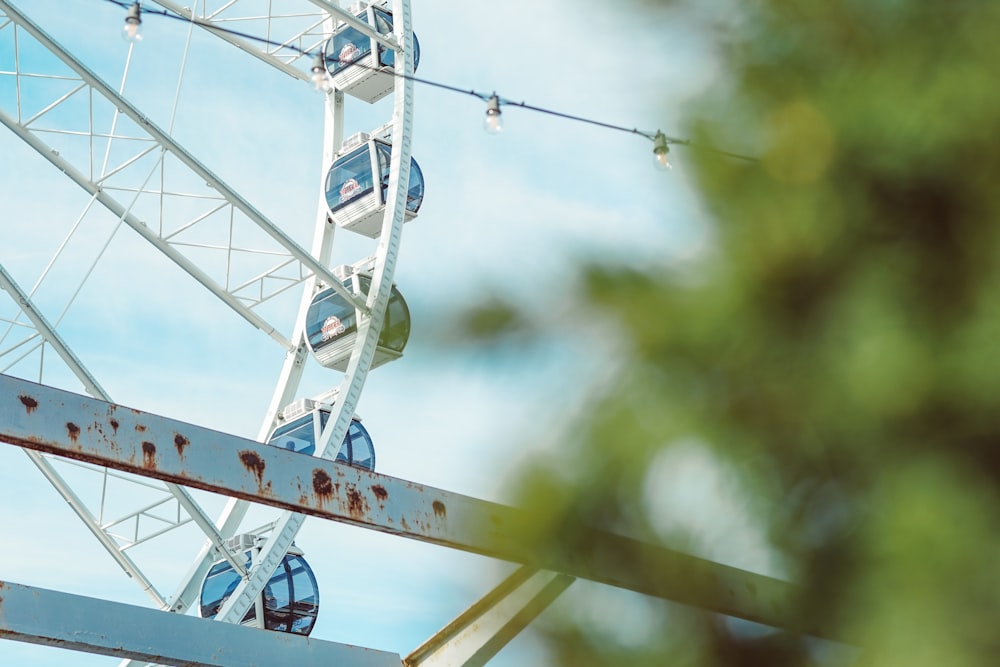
[[139, 187], [108, 531], [88, 519], [288, 31], [292, 28], [44, 330]]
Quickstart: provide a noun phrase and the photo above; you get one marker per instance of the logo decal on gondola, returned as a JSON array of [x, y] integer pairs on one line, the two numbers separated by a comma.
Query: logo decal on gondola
[[349, 53], [349, 190], [332, 326]]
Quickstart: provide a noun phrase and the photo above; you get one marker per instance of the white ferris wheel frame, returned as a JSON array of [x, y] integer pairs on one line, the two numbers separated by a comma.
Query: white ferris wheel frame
[[307, 268]]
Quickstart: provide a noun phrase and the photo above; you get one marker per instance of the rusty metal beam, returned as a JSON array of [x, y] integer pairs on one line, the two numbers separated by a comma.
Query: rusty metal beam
[[50, 420], [50, 618]]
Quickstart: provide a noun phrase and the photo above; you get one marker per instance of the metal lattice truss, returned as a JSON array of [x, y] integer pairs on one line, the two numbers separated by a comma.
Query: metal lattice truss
[[164, 506], [146, 179], [292, 29]]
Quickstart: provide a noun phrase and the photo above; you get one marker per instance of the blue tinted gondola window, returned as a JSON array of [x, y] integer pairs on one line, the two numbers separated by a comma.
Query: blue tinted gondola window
[[219, 585], [356, 439], [386, 56], [396, 327], [329, 318], [350, 177], [301, 435], [357, 449], [362, 452], [297, 436], [383, 23], [415, 193], [304, 595], [344, 455], [346, 47], [291, 596], [384, 154], [277, 603]]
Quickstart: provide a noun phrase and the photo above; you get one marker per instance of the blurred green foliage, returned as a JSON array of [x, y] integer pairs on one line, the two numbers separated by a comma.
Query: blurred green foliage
[[839, 349]]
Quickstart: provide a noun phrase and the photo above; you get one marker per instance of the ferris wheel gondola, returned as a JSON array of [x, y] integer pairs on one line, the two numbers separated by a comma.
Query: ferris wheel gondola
[[303, 425], [289, 602], [360, 65], [357, 184], [332, 325]]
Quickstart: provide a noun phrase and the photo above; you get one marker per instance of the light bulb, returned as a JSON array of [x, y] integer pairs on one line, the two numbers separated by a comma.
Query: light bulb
[[493, 124], [661, 161], [132, 30], [319, 77], [660, 152]]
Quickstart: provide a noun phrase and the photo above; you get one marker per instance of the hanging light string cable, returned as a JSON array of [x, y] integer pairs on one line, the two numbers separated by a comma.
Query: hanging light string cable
[[661, 141]]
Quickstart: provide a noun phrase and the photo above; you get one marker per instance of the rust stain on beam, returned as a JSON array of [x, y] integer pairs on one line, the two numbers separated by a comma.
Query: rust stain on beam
[[180, 442], [148, 455], [29, 403]]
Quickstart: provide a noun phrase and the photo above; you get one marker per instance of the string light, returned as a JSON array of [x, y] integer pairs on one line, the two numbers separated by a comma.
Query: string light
[[493, 124], [132, 30], [493, 121], [319, 76], [660, 151]]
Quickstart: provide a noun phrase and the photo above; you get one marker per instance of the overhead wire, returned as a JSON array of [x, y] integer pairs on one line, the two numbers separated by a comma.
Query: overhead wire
[[485, 97]]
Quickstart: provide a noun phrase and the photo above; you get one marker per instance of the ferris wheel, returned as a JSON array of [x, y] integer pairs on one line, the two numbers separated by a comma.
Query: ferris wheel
[[137, 174]]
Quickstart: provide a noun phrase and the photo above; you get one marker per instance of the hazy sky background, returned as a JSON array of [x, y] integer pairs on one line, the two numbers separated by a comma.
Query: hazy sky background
[[507, 214]]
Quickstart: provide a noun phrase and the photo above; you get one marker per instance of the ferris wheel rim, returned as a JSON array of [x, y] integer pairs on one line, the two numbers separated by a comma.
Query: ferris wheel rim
[[381, 283], [383, 265]]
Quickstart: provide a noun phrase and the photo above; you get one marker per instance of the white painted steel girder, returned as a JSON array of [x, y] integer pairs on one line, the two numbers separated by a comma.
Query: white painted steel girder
[[51, 420], [478, 634], [41, 616]]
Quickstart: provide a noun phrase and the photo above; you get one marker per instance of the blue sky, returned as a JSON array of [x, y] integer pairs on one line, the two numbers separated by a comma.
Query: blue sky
[[506, 214]]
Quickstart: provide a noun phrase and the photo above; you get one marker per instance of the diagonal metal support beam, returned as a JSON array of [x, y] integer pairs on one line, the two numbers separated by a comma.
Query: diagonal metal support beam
[[478, 634], [50, 420], [325, 8], [41, 616], [241, 43], [142, 229], [48, 332], [168, 143], [356, 23], [52, 337]]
